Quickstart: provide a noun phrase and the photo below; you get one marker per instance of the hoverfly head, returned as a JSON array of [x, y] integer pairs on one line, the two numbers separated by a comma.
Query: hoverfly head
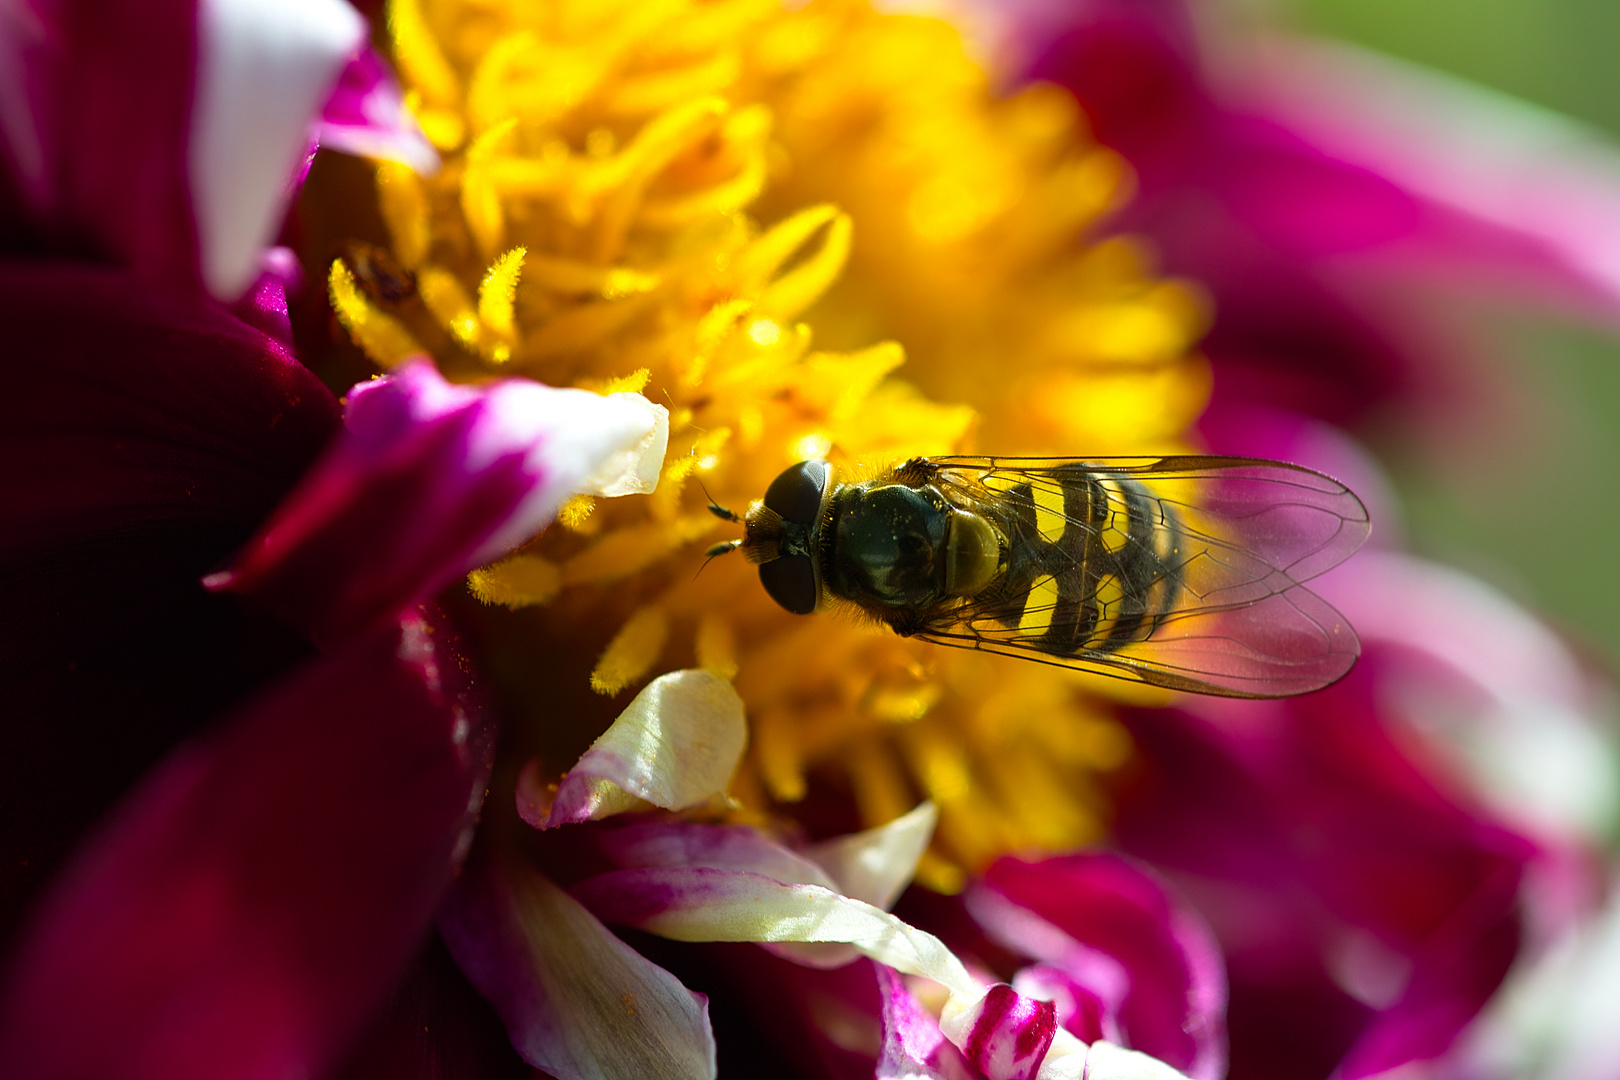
[[782, 535], [763, 540]]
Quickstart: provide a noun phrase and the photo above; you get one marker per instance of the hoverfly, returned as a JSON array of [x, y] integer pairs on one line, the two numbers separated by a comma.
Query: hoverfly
[[1180, 572]]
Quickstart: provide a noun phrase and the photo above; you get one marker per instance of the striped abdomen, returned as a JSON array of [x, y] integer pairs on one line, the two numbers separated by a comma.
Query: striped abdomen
[[1093, 563]]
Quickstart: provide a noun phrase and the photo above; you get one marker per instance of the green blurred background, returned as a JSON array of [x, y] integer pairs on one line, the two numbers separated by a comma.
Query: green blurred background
[[1531, 503]]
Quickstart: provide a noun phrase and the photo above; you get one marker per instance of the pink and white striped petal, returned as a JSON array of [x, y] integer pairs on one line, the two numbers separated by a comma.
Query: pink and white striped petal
[[1001, 1032], [577, 1002], [265, 68], [675, 747], [429, 480], [913, 1046], [1004, 1034]]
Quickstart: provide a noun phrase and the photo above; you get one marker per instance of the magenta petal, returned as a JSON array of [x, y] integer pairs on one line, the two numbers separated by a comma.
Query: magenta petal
[[1355, 898], [1175, 1003], [1088, 1001], [245, 911], [428, 480], [366, 115], [97, 135], [913, 1046], [264, 307]]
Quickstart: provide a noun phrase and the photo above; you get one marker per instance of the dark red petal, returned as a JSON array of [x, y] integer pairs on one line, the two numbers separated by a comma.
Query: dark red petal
[[435, 1027], [144, 435], [248, 907], [128, 404], [108, 93]]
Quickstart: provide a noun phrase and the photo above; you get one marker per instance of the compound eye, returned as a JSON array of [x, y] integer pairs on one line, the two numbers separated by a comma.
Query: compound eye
[[796, 494], [791, 582]]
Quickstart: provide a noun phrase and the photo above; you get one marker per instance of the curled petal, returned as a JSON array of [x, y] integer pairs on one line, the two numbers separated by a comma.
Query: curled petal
[[699, 904], [722, 847], [876, 865], [577, 1001], [676, 746], [1005, 1034], [729, 847], [872, 866], [429, 480], [997, 1029], [366, 115], [1088, 1000], [248, 907]]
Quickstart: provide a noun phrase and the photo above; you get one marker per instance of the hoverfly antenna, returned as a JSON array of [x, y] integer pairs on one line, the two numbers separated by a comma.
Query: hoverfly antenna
[[718, 511], [724, 547]]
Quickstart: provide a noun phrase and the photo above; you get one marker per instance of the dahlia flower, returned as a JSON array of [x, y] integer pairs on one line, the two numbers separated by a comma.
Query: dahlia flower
[[813, 232], [730, 206]]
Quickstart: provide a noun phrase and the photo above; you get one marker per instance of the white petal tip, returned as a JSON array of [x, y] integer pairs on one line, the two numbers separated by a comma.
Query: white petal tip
[[635, 467]]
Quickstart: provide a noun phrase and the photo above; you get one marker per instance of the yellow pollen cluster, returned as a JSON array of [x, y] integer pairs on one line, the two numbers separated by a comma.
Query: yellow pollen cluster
[[808, 232]]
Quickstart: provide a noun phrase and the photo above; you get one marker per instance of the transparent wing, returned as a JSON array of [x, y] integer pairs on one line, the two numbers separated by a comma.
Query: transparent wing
[[1181, 572]]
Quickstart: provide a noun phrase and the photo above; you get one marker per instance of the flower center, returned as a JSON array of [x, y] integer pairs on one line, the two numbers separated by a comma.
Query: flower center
[[756, 216]]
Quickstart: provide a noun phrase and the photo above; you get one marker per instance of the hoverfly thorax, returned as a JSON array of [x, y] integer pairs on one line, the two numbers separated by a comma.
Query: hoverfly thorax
[[884, 544], [899, 546]]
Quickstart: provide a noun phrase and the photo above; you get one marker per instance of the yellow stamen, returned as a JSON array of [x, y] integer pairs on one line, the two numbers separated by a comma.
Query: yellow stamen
[[808, 230], [517, 581], [495, 295], [632, 652], [575, 514], [379, 334], [403, 202]]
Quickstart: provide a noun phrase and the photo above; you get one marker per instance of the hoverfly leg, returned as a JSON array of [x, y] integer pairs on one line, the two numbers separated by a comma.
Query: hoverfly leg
[[906, 623], [915, 471]]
